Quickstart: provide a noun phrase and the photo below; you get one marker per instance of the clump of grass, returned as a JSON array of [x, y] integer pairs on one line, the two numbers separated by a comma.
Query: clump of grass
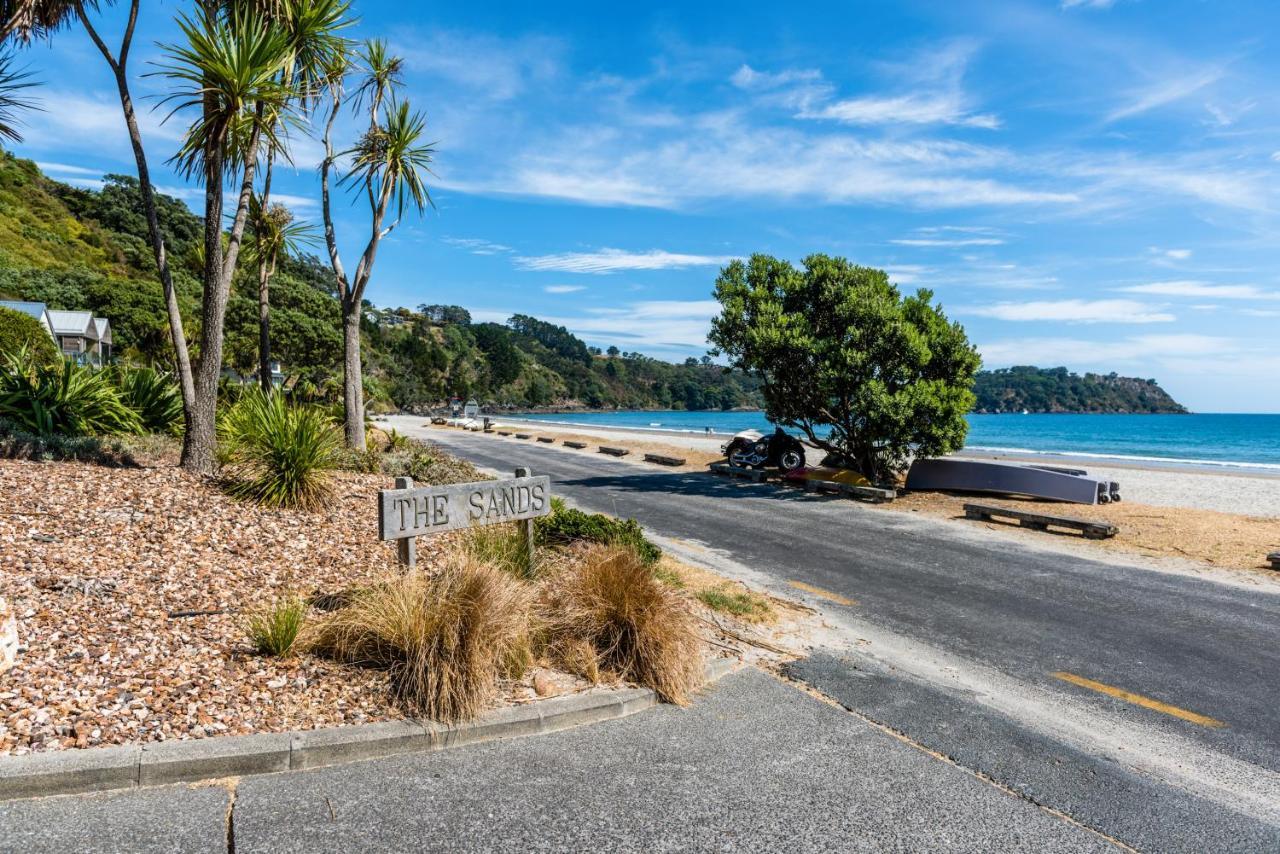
[[19, 444], [669, 576], [502, 546], [607, 600], [566, 526], [278, 454], [274, 630], [446, 638], [739, 603]]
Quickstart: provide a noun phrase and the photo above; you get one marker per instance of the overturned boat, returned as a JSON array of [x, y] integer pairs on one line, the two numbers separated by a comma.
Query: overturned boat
[[1051, 482]]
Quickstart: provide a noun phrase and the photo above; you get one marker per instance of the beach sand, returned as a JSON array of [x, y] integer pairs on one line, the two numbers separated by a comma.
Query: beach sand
[[1207, 517]]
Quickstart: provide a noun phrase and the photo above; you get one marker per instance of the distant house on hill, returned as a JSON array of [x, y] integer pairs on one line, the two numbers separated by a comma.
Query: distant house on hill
[[82, 337], [38, 310]]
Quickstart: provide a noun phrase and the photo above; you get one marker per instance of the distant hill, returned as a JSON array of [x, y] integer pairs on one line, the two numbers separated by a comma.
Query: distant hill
[[1059, 390]]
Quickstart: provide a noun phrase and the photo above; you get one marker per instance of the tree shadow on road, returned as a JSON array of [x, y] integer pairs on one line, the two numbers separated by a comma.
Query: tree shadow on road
[[696, 484]]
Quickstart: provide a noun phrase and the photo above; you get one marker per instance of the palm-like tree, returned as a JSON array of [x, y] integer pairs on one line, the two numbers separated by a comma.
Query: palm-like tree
[[29, 19], [313, 29], [272, 233], [12, 82], [389, 165], [227, 73]]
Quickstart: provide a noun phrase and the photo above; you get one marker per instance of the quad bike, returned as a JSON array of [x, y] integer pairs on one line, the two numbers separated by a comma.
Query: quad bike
[[752, 449]]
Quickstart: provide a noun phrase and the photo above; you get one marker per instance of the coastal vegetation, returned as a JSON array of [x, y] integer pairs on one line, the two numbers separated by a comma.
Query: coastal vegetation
[[865, 372], [1033, 389]]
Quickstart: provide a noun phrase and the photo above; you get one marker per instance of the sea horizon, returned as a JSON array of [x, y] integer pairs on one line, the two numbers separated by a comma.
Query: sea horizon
[[1230, 440]]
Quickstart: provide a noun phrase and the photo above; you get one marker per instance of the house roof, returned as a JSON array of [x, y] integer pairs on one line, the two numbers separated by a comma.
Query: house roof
[[35, 309], [103, 327], [73, 323]]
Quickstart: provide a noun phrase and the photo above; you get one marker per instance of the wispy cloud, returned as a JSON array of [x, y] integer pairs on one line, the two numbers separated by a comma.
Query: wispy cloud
[[949, 108], [1190, 288], [615, 260], [1075, 352], [1166, 91], [487, 66], [1073, 311], [659, 326], [477, 246], [1088, 4], [564, 289], [942, 241]]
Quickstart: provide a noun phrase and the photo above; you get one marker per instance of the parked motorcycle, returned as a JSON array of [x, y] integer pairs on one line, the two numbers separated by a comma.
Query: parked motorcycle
[[752, 449]]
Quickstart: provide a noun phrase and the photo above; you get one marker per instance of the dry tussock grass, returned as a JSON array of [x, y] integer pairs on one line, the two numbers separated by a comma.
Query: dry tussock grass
[[606, 613], [446, 638]]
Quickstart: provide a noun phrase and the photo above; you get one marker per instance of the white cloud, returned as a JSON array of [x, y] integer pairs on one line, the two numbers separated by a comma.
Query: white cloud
[[1189, 288], [1073, 311], [747, 77], [564, 289], [1166, 91], [486, 66], [1178, 254], [963, 241], [920, 108], [613, 260], [477, 246], [1261, 312], [656, 326], [95, 119], [1088, 4], [68, 169], [1144, 349]]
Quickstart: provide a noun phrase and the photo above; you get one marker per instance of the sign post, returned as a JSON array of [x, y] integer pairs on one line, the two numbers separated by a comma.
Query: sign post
[[407, 512]]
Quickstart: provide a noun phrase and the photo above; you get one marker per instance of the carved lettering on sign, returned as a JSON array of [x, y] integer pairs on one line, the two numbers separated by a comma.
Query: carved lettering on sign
[[434, 509]]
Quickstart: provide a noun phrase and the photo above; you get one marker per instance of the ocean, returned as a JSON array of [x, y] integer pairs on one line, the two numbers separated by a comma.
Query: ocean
[[1212, 440]]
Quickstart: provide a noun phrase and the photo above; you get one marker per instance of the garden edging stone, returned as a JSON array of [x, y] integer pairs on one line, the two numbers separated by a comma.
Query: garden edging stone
[[129, 766]]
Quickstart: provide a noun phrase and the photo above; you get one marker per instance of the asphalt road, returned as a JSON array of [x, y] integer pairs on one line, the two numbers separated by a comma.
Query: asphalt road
[[967, 630], [753, 765]]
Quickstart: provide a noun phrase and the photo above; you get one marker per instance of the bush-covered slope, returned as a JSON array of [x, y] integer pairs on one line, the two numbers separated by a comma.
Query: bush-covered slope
[[1059, 390], [74, 248]]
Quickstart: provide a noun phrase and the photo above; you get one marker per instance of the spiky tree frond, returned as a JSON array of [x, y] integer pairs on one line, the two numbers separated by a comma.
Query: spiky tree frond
[[28, 19], [391, 161], [228, 69], [382, 74], [12, 82], [273, 232]]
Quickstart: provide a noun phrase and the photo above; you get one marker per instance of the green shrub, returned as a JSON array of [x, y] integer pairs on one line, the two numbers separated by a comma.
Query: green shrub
[[153, 395], [277, 454], [66, 400], [739, 603], [19, 330], [18, 444], [273, 630], [566, 526]]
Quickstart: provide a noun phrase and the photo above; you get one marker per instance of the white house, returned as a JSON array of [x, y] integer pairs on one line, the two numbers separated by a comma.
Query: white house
[[38, 310], [81, 336]]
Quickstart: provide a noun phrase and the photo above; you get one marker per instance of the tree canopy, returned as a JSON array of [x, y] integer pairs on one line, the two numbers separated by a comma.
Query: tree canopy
[[865, 372]]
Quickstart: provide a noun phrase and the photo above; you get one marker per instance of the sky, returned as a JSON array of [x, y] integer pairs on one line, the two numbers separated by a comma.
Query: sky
[[1088, 183]]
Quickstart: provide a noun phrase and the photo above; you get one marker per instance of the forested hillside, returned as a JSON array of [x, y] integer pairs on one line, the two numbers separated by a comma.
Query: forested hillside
[[87, 249], [1059, 390]]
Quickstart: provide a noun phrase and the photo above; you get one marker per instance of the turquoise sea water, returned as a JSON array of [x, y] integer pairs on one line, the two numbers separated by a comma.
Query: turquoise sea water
[[1229, 441]]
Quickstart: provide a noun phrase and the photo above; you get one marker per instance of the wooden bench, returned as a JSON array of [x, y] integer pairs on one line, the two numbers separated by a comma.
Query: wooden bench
[[613, 452], [546, 440], [524, 435], [1041, 521], [662, 460], [578, 445], [753, 475], [874, 494], [1274, 558]]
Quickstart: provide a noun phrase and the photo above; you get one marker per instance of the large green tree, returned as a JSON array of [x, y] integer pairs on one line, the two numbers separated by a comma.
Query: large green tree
[[865, 372]]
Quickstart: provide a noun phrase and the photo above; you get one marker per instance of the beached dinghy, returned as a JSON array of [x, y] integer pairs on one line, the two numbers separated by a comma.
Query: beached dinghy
[[1056, 484]]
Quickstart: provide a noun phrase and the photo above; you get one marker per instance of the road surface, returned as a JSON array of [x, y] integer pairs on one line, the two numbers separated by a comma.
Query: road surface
[[1145, 704]]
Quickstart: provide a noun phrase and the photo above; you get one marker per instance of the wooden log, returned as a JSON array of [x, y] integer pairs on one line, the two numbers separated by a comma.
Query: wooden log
[[547, 440], [663, 460], [1041, 521], [524, 435], [578, 445], [1274, 558], [613, 452], [504, 432], [874, 494]]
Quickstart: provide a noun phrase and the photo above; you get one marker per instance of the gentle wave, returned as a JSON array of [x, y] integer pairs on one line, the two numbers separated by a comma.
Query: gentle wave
[[1128, 457]]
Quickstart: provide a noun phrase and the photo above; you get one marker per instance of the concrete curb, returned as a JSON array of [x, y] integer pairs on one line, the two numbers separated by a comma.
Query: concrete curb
[[70, 772]]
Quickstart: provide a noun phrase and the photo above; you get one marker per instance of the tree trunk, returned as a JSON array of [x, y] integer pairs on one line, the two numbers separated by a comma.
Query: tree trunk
[[199, 441], [264, 326], [352, 379]]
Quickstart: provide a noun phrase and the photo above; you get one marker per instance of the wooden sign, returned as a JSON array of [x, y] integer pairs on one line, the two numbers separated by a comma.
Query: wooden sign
[[407, 512]]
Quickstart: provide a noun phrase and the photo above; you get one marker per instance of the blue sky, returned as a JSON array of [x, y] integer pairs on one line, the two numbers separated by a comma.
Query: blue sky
[[1081, 182]]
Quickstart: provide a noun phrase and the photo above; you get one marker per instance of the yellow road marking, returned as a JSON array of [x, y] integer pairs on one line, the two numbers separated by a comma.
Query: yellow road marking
[[823, 594], [1138, 700]]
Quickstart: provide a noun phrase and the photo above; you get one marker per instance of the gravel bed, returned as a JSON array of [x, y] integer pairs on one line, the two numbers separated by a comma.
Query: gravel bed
[[93, 562]]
